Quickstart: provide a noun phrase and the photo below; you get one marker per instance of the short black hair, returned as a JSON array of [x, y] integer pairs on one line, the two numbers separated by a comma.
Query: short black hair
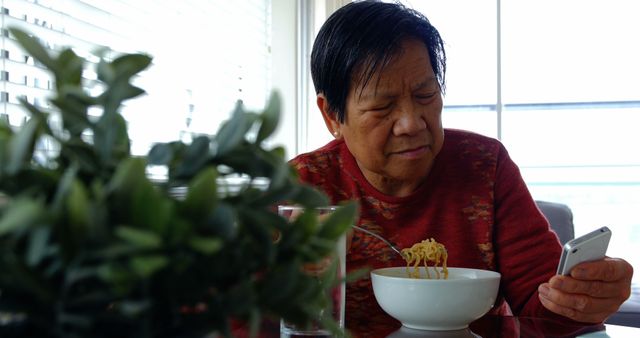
[[360, 39]]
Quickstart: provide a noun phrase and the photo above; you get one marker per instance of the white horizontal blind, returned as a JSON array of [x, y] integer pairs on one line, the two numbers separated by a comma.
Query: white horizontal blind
[[207, 55]]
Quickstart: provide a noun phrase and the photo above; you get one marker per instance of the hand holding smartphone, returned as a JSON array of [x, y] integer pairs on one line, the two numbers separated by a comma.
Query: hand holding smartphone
[[589, 247]]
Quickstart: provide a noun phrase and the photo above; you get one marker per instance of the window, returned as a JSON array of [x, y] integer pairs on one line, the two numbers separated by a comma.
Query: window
[[557, 83], [207, 55]]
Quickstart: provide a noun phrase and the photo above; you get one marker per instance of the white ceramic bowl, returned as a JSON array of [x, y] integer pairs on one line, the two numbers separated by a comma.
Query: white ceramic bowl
[[435, 304]]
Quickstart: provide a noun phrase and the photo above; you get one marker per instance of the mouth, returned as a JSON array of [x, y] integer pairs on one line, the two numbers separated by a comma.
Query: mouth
[[413, 153]]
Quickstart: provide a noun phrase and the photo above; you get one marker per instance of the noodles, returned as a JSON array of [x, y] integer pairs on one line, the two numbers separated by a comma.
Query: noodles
[[426, 251]]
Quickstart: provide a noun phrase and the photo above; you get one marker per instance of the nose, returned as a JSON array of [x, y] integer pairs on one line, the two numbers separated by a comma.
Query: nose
[[409, 122]]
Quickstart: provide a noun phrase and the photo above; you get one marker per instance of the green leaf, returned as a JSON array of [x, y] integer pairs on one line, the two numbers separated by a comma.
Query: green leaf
[[120, 278], [111, 138], [279, 153], [205, 246], [180, 231], [5, 138], [113, 97], [233, 131], [307, 222], [161, 154], [73, 104], [105, 71], [77, 94], [270, 117], [128, 65], [24, 281], [309, 196], [145, 266], [78, 206], [339, 221], [63, 187], [280, 176], [284, 279], [33, 47], [202, 194], [41, 181], [21, 146], [73, 115], [262, 233], [37, 247], [275, 195], [82, 155], [322, 246], [4, 122], [246, 158], [150, 209], [117, 76], [196, 155], [114, 251], [132, 308], [21, 213], [138, 237], [128, 174], [222, 222], [78, 273], [69, 68]]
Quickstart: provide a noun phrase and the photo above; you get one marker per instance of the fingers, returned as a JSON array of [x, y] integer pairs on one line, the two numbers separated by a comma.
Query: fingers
[[593, 288], [575, 306], [607, 269], [570, 308], [594, 291], [580, 302]]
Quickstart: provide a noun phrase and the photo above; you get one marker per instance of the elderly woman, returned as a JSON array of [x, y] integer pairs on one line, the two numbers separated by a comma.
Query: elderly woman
[[379, 70]]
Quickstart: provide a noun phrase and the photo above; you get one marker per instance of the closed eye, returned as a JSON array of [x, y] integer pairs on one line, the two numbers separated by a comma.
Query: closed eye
[[381, 108], [425, 98]]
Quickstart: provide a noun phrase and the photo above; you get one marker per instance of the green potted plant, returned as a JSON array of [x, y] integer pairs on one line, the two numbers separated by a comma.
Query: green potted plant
[[91, 247]]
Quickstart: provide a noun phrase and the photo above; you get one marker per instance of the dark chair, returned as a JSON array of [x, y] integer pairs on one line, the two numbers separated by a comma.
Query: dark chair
[[561, 219], [629, 312]]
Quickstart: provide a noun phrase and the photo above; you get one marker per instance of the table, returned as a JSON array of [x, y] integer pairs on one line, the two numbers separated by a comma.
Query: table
[[494, 326], [508, 327], [614, 331]]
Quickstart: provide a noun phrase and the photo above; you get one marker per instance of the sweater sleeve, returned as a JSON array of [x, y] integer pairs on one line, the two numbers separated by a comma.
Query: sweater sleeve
[[527, 250]]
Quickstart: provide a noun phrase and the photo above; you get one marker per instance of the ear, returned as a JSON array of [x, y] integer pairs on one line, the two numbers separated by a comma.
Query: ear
[[330, 118]]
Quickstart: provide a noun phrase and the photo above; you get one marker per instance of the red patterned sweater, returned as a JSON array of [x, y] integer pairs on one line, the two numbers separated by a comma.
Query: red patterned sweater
[[474, 201]]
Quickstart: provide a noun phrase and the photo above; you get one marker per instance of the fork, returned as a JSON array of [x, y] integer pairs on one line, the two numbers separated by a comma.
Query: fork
[[368, 232]]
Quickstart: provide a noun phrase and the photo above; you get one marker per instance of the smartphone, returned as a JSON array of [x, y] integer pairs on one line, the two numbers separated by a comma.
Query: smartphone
[[589, 247]]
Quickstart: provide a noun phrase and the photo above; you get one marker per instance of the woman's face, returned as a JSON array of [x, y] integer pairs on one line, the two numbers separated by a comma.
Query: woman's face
[[393, 127]]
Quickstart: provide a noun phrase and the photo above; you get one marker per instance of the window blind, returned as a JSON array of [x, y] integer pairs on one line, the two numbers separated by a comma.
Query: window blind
[[207, 55]]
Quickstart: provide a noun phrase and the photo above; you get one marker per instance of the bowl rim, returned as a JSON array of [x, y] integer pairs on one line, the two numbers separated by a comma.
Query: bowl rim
[[492, 275]]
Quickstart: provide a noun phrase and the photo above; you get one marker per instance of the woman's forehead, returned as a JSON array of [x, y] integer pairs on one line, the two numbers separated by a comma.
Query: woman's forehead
[[409, 67], [385, 89]]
